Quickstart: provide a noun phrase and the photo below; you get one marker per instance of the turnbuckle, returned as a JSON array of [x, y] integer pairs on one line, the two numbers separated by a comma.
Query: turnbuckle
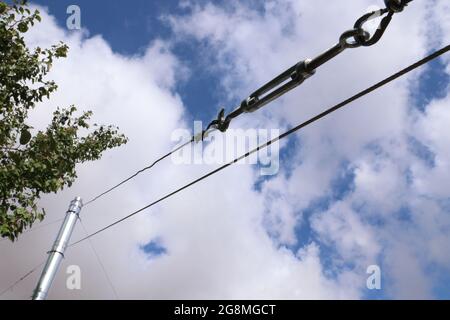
[[295, 75]]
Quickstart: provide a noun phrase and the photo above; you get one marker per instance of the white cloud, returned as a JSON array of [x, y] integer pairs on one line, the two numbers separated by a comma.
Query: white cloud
[[214, 236], [217, 233], [343, 228], [384, 120]]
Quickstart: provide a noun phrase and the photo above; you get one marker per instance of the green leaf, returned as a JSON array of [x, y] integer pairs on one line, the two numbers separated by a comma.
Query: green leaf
[[22, 27], [3, 7], [25, 137], [46, 162]]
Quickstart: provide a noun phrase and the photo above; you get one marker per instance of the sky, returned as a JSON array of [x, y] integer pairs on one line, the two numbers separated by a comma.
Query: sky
[[368, 185]]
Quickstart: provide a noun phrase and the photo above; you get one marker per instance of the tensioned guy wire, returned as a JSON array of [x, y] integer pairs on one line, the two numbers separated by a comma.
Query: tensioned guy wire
[[283, 83], [35, 268], [285, 134], [39, 226], [138, 172], [23, 277], [292, 77], [102, 266], [359, 95]]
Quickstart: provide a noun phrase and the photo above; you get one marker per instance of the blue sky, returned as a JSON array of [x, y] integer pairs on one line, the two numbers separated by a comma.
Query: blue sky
[[130, 27]]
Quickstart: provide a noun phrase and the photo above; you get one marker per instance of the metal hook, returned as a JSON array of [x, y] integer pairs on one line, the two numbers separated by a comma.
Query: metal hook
[[363, 41], [296, 74]]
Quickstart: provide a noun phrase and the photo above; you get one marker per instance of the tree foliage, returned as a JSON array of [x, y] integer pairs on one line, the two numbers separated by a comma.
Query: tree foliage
[[33, 162]]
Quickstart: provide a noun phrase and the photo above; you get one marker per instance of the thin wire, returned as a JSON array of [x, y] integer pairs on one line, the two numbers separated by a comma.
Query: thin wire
[[224, 123], [100, 263], [39, 226], [285, 134], [137, 173], [321, 115], [22, 278]]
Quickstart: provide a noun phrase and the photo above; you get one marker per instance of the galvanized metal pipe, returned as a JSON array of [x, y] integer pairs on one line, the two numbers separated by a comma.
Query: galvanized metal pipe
[[56, 254]]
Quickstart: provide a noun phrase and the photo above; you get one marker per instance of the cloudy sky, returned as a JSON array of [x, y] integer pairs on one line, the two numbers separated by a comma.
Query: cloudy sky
[[369, 185]]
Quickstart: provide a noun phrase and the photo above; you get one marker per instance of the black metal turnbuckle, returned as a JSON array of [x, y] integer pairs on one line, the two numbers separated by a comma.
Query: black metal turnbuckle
[[295, 75]]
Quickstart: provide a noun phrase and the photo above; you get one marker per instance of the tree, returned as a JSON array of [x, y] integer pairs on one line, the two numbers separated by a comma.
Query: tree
[[35, 163]]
